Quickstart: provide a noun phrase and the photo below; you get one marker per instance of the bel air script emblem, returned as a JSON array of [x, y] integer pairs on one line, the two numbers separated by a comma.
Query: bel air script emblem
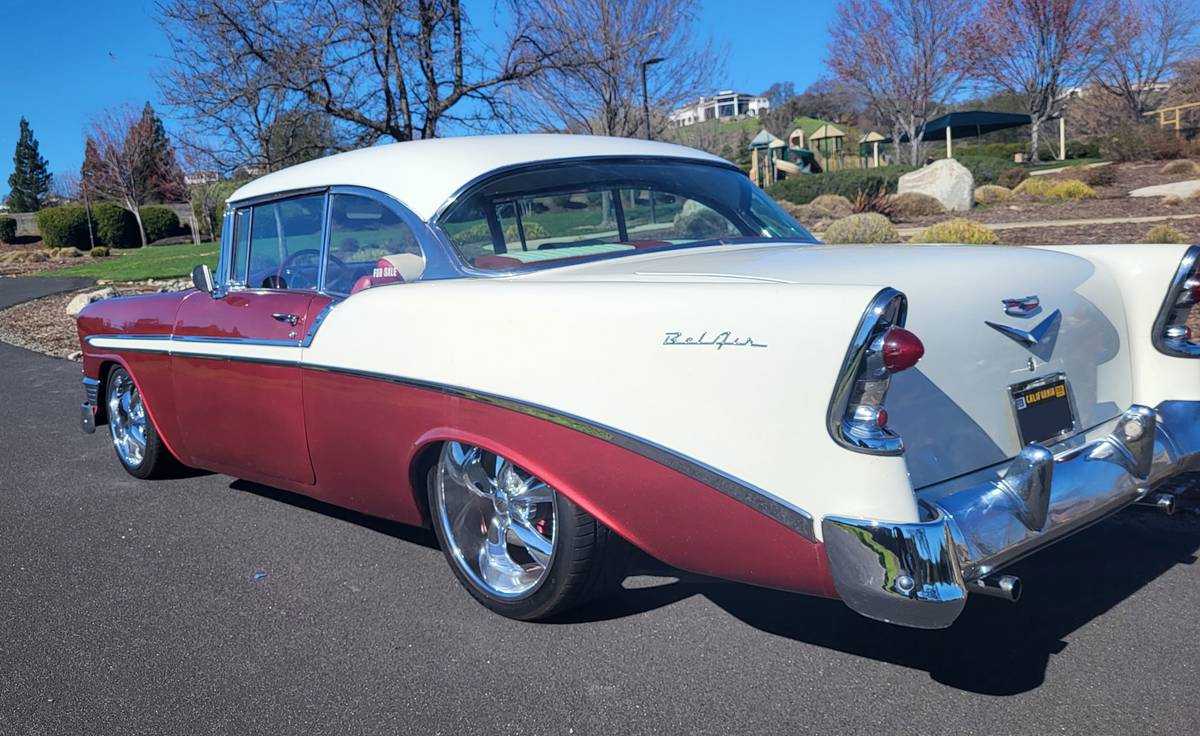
[[720, 340]]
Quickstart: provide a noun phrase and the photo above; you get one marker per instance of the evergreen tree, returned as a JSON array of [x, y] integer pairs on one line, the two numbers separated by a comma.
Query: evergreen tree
[[159, 174], [30, 180]]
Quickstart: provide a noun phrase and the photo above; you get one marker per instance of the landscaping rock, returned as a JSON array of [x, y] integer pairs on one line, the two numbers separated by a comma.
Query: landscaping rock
[[76, 305], [1181, 189], [946, 180]]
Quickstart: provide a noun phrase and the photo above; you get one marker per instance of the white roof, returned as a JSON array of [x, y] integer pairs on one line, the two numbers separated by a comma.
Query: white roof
[[424, 174]]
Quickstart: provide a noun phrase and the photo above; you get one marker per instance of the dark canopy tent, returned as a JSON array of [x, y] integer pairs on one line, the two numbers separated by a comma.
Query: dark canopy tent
[[972, 123]]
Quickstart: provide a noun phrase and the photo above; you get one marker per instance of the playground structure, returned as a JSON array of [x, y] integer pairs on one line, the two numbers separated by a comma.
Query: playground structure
[[1171, 117], [771, 159]]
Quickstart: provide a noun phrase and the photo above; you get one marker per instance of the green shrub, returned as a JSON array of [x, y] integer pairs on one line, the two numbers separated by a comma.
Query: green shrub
[[1011, 177], [910, 205], [992, 194], [8, 229], [868, 227], [848, 183], [1070, 189], [159, 223], [99, 252], [1180, 166], [1103, 176], [985, 169], [115, 226], [1034, 187], [1164, 234], [835, 204], [64, 226], [533, 231], [211, 207], [959, 230]]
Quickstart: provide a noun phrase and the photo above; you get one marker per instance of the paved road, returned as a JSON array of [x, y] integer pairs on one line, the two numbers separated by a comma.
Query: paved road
[[17, 290], [133, 607]]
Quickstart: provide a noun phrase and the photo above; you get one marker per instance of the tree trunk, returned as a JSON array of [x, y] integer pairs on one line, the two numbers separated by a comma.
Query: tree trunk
[[137, 215], [1033, 135]]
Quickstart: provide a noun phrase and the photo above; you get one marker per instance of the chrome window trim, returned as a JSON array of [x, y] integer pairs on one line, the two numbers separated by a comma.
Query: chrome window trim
[[1186, 264], [463, 268]]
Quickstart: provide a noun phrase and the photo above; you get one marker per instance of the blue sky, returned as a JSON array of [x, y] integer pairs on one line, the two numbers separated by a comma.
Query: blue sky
[[71, 61]]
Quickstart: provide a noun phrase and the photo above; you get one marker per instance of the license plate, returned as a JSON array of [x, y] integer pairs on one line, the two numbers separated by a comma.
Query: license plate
[[1044, 409]]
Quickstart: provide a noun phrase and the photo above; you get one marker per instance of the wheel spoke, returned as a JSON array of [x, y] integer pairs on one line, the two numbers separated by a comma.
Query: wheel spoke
[[539, 547], [535, 492]]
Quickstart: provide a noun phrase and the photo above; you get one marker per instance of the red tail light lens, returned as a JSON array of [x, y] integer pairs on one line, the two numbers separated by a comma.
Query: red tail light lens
[[901, 350]]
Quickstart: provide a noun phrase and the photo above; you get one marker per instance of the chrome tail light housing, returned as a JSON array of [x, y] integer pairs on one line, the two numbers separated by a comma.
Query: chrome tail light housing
[[881, 347], [1172, 334]]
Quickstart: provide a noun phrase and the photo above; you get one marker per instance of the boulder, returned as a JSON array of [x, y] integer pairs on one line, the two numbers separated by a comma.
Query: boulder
[[946, 180], [76, 305]]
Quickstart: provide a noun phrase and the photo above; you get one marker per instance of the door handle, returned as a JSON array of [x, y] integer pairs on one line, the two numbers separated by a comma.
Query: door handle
[[291, 319]]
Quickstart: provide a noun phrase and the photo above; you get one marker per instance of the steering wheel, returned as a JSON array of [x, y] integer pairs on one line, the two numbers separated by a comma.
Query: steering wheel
[[295, 276]]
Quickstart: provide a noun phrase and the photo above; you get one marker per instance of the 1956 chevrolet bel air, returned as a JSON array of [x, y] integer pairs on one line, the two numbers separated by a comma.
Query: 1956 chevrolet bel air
[[547, 347]]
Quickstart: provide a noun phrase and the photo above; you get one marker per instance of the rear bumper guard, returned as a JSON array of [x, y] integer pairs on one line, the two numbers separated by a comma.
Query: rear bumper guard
[[90, 406], [919, 574]]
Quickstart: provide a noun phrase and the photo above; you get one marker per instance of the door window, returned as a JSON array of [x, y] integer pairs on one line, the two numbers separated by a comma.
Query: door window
[[285, 244], [369, 245]]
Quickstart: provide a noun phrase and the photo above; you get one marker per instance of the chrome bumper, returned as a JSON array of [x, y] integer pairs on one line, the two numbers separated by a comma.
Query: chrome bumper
[[87, 410], [919, 574]]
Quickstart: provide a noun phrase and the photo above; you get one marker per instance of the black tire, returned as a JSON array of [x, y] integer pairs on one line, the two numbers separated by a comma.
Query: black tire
[[589, 561], [156, 460]]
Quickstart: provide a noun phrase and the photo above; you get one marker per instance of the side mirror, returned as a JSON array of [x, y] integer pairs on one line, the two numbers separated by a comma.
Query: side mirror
[[202, 279]]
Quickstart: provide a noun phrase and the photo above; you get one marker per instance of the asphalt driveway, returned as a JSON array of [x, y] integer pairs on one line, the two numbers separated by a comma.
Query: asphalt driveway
[[209, 605]]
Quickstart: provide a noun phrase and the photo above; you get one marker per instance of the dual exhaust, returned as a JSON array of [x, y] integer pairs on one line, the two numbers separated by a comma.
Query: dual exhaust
[[1008, 587]]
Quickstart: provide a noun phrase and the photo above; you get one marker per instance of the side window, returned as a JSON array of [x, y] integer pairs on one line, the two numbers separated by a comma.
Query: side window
[[369, 245], [285, 244], [241, 247]]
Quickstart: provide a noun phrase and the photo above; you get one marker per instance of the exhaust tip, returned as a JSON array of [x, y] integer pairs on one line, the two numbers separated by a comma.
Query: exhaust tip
[[1007, 587], [1162, 502]]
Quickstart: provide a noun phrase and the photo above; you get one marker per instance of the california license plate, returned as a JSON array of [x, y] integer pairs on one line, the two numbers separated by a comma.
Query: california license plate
[[1044, 409]]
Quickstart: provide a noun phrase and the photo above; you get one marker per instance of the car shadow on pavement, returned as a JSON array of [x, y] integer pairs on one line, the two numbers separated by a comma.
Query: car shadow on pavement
[[403, 532], [995, 647]]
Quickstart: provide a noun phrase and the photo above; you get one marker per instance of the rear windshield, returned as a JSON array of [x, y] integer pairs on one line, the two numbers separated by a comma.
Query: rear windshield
[[562, 213]]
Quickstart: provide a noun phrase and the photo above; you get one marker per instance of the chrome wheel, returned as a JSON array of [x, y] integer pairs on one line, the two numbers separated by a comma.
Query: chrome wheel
[[126, 419], [500, 522]]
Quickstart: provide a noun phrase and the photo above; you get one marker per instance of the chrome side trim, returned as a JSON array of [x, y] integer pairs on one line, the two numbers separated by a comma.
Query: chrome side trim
[[856, 354], [1175, 347], [918, 574], [764, 502]]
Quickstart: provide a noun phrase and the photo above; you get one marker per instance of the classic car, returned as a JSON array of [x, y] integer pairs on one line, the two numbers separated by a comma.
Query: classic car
[[550, 348]]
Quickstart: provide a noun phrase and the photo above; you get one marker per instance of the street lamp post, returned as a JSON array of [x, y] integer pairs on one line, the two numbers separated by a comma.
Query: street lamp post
[[645, 93], [646, 113]]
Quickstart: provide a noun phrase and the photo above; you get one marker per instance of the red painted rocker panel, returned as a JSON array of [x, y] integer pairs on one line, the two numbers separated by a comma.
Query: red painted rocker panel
[[364, 435]]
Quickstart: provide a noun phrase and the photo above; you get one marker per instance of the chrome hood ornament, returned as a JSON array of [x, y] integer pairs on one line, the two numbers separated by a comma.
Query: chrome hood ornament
[[1025, 306], [1040, 340]]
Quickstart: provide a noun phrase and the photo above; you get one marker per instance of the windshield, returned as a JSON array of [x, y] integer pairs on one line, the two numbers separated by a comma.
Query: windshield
[[561, 213]]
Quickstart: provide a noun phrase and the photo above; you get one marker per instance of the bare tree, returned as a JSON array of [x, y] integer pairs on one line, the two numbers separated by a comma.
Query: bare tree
[[120, 147], [598, 87], [380, 69], [1153, 36], [65, 186], [902, 56], [1041, 50]]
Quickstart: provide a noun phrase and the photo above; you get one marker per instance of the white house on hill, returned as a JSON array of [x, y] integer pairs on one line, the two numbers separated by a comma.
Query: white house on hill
[[724, 105]]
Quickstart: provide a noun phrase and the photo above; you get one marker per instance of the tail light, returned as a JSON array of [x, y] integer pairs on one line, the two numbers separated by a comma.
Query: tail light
[[1172, 333], [881, 348]]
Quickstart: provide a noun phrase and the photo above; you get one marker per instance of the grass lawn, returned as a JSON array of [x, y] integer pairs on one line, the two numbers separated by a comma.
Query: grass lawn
[[154, 262], [1065, 164]]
